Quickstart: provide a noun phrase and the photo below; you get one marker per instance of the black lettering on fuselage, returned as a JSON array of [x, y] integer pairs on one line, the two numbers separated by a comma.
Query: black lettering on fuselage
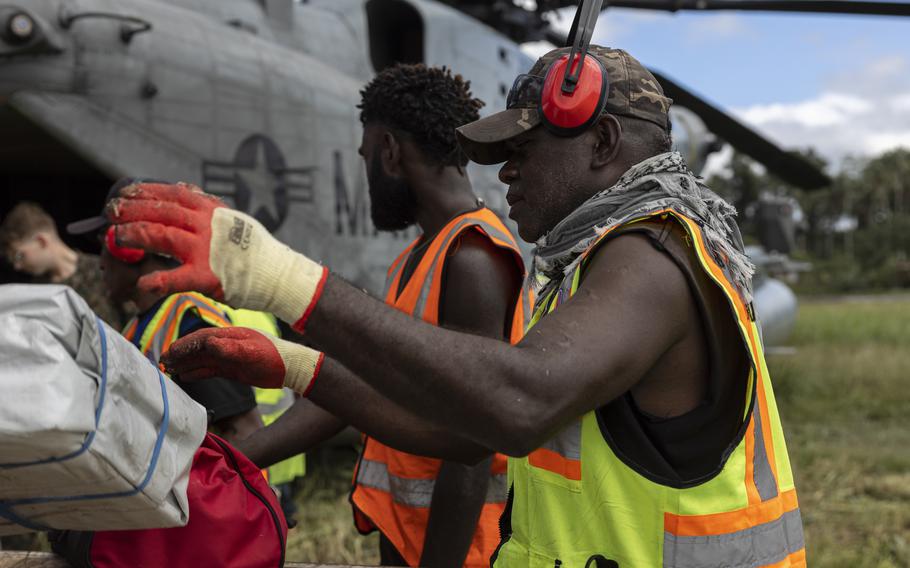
[[351, 218]]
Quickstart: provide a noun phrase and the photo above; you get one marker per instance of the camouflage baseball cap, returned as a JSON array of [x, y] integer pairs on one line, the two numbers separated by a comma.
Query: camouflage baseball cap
[[633, 92]]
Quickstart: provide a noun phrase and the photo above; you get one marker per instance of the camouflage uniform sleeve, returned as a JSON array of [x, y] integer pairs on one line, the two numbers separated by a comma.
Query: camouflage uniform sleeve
[[87, 282]]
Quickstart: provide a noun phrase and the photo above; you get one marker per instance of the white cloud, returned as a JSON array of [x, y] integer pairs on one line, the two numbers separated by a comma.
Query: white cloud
[[884, 141], [718, 27], [829, 109], [901, 103], [860, 114]]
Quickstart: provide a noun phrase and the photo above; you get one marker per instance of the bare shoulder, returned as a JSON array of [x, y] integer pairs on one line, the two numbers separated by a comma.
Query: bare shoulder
[[482, 282], [630, 265], [474, 253]]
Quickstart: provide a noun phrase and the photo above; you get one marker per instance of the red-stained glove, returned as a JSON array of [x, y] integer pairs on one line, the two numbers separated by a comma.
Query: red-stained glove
[[224, 253], [243, 355]]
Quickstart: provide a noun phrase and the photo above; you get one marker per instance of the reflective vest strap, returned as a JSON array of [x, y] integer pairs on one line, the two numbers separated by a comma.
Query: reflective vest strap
[[750, 333], [561, 454], [129, 332], [420, 296], [483, 220], [169, 316], [393, 277], [153, 335], [731, 521], [776, 541], [417, 493], [524, 311], [273, 401]]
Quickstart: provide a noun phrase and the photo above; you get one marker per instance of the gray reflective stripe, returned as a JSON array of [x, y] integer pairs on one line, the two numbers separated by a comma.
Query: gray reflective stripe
[[761, 545], [415, 492], [567, 443], [761, 465], [392, 275], [202, 306], [565, 288], [156, 344], [528, 308], [157, 341], [286, 401], [454, 232], [498, 489]]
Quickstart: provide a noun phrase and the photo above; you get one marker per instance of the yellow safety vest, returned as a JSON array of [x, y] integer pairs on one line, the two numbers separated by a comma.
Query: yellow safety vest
[[164, 329], [575, 503]]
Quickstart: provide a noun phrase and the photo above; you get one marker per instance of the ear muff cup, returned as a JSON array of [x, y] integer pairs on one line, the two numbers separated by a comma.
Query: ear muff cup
[[570, 114], [123, 254]]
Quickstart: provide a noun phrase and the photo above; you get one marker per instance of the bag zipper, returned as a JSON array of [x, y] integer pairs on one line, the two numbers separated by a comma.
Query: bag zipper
[[256, 494]]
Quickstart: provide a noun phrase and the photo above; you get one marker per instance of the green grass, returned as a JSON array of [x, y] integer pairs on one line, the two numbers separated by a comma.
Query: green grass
[[845, 404]]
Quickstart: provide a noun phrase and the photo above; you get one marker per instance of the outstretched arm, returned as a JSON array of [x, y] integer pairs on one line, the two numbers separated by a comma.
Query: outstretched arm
[[250, 356], [511, 399]]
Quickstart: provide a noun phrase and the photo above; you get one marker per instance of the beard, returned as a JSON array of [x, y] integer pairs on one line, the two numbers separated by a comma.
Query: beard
[[391, 202]]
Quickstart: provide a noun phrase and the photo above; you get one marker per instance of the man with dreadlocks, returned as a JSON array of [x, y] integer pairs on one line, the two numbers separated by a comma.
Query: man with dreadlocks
[[637, 409], [464, 272]]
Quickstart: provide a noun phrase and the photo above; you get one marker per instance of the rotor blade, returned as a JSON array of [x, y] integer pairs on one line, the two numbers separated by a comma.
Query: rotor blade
[[805, 6], [788, 166]]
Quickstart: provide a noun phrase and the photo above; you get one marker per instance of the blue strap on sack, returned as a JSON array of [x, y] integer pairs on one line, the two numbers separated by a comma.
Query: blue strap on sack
[[6, 506]]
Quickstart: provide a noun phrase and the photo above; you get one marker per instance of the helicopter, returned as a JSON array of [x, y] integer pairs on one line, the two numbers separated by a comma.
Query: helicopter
[[255, 101]]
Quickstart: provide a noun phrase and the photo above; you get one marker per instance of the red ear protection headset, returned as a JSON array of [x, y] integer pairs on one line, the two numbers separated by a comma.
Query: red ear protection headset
[[123, 254], [574, 95]]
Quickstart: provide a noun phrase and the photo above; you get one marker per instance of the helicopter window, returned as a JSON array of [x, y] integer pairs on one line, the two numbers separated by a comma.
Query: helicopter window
[[396, 33]]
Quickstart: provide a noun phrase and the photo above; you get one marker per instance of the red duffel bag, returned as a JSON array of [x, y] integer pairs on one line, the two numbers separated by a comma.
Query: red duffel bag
[[235, 522]]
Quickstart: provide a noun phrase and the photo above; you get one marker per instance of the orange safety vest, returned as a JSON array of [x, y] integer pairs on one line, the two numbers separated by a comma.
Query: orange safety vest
[[393, 490]]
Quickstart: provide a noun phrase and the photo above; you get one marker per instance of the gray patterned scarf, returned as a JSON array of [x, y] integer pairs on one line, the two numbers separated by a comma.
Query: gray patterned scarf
[[660, 182]]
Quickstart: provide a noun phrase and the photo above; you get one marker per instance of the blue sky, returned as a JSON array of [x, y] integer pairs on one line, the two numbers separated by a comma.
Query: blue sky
[[840, 84], [741, 59]]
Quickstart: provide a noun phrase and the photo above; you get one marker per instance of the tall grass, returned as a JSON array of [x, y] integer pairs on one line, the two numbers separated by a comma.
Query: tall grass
[[845, 402]]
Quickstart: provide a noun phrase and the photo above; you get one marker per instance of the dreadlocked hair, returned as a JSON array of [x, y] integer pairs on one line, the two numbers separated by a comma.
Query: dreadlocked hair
[[426, 103]]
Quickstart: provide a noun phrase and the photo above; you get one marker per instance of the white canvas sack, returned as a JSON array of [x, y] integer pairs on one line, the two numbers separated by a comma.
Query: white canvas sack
[[92, 435]]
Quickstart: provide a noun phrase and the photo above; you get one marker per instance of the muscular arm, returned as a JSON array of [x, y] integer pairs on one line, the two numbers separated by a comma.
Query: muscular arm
[[313, 420], [481, 285], [631, 308]]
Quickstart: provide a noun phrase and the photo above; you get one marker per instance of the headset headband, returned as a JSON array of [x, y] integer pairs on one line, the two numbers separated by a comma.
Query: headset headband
[[586, 16]]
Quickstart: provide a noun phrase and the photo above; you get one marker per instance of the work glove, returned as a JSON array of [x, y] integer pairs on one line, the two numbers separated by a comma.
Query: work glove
[[244, 355], [225, 254]]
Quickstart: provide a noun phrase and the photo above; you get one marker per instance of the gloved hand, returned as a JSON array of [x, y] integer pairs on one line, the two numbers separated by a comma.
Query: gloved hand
[[225, 254], [243, 355]]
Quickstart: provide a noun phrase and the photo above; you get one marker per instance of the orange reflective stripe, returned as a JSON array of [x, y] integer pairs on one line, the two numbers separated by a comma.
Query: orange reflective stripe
[[751, 488], [731, 521], [207, 308], [718, 275], [795, 560], [484, 221], [168, 338], [393, 277], [553, 462], [153, 333], [130, 330]]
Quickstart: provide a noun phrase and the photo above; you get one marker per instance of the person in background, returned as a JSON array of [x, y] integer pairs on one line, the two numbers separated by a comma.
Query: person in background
[[32, 245]]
